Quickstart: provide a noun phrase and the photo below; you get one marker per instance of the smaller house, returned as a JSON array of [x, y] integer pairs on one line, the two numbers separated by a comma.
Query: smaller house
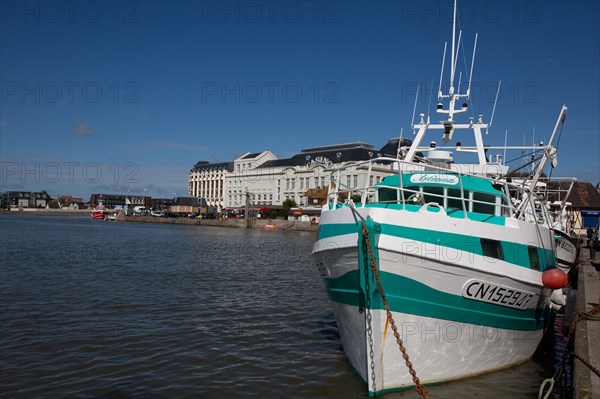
[[162, 204], [188, 205], [25, 199], [70, 202]]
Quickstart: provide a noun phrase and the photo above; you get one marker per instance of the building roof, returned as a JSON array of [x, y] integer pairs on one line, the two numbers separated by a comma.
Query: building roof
[[334, 153], [27, 194], [251, 155], [358, 144], [391, 148], [583, 196], [204, 166]]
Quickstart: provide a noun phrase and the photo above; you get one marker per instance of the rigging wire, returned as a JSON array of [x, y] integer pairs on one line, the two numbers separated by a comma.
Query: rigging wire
[[471, 106], [523, 155]]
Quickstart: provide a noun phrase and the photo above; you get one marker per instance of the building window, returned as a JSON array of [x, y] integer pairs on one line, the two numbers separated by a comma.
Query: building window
[[348, 178], [301, 183], [355, 180], [370, 180], [293, 184], [287, 184]]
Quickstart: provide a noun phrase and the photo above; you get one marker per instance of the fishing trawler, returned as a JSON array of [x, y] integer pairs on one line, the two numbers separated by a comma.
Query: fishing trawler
[[437, 273], [99, 212], [566, 249]]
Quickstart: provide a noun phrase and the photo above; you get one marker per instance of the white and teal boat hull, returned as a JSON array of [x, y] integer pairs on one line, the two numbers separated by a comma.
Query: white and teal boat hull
[[459, 311]]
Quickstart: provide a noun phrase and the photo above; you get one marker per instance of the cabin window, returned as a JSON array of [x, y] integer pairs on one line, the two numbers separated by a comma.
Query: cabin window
[[486, 204], [454, 199], [534, 259], [492, 249], [388, 195], [438, 197]]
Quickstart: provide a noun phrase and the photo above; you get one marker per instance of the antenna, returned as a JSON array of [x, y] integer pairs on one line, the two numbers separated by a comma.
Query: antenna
[[429, 105], [459, 80], [452, 66], [399, 143], [415, 107], [456, 56], [533, 145], [494, 109], [505, 142], [472, 64], [442, 72]]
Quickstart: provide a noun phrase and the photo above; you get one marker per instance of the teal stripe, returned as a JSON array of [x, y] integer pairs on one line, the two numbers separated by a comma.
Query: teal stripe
[[514, 253], [334, 230], [412, 297]]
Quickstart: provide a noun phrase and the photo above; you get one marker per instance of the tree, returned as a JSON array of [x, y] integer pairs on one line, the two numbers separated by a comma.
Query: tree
[[287, 205]]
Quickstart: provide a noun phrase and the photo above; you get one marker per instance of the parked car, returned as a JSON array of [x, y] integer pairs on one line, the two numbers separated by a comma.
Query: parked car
[[158, 214]]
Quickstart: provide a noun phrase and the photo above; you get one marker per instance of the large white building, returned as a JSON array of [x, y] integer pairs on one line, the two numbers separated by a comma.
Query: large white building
[[266, 180]]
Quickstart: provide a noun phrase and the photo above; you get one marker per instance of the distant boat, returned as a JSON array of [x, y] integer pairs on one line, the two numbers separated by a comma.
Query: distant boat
[[566, 249], [436, 274], [99, 212]]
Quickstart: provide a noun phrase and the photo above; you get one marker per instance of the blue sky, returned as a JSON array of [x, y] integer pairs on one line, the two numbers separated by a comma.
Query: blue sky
[[126, 96]]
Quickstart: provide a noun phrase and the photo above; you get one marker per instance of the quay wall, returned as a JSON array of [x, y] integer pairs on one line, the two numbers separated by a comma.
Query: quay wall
[[263, 224], [586, 384], [44, 211]]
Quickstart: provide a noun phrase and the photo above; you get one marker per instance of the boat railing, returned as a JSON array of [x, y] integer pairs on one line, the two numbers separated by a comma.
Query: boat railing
[[503, 205]]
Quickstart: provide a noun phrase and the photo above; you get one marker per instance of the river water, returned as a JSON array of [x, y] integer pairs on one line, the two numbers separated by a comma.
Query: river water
[[92, 309]]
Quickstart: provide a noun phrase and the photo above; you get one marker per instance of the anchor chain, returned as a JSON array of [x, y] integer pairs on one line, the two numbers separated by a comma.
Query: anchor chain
[[419, 387]]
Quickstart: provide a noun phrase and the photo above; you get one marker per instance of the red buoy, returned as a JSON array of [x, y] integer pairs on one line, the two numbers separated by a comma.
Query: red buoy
[[555, 279]]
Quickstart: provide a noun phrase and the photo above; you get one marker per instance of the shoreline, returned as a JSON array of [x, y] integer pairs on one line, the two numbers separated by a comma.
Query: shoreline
[[261, 224], [47, 212]]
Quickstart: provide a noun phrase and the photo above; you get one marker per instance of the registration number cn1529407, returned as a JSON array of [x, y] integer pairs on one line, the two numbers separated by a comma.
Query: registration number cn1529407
[[497, 294]]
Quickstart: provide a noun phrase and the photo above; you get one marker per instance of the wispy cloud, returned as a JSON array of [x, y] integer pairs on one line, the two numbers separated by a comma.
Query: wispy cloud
[[82, 129]]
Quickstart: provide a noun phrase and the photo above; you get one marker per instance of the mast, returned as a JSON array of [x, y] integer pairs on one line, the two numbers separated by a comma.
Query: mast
[[453, 95], [452, 65]]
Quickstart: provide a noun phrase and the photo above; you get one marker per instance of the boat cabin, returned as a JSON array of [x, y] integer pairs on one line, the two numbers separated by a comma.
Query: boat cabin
[[448, 190]]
